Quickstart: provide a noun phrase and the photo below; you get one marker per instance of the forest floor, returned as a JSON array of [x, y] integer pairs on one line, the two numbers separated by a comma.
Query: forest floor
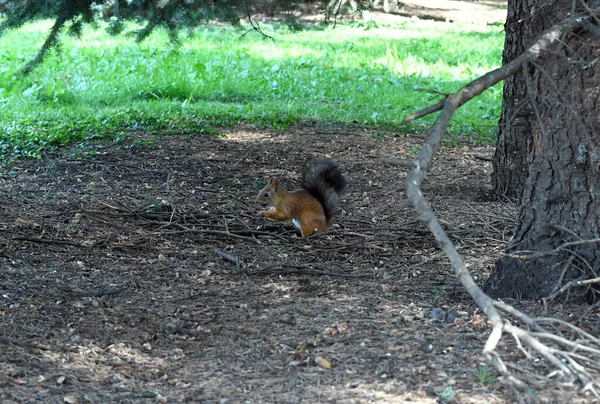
[[483, 11], [141, 273], [138, 271], [488, 11]]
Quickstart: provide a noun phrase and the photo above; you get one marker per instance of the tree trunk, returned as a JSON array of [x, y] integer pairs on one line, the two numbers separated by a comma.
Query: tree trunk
[[561, 191], [510, 159]]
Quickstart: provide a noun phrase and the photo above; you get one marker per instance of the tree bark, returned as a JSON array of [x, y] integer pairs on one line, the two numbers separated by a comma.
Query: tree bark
[[510, 159], [561, 187]]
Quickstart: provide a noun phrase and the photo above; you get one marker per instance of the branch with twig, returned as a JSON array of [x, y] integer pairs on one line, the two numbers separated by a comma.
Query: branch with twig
[[571, 359]]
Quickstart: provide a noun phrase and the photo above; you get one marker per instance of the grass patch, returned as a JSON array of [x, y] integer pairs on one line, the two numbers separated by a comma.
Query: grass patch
[[484, 375], [359, 74]]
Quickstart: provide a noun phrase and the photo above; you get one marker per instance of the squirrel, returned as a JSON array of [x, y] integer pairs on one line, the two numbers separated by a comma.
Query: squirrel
[[310, 208]]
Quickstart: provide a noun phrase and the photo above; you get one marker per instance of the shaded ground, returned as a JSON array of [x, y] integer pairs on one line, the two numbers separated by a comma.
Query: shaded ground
[[112, 290], [490, 11], [486, 11]]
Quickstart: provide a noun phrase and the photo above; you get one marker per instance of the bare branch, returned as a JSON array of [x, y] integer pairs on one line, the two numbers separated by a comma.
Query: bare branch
[[397, 162], [521, 316], [571, 326], [484, 82], [229, 257], [431, 90], [425, 111], [569, 285], [562, 247], [576, 346]]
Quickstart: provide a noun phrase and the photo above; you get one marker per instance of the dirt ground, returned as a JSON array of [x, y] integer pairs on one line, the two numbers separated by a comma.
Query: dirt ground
[[142, 274], [481, 11], [488, 11]]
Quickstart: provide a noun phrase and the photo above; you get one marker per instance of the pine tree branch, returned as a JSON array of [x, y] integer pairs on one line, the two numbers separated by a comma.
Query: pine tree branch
[[52, 42]]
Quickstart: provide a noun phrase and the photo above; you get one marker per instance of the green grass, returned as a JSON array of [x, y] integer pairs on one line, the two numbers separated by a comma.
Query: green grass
[[357, 74], [484, 375]]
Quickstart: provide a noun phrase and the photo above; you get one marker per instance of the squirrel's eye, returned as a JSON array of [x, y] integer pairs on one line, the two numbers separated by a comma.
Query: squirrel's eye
[[267, 195]]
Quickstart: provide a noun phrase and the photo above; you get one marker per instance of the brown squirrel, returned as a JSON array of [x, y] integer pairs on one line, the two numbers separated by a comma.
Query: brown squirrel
[[310, 208]]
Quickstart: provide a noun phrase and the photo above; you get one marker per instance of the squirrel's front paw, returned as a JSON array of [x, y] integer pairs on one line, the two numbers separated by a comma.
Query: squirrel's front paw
[[261, 213]]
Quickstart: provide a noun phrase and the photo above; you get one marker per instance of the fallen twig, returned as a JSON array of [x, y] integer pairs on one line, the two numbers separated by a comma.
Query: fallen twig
[[431, 91], [100, 293], [229, 257], [397, 162], [47, 241], [530, 255], [300, 270], [569, 285], [35, 346]]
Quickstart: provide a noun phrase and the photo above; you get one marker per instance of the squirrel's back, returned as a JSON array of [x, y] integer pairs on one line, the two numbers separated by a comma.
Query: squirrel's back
[[324, 180]]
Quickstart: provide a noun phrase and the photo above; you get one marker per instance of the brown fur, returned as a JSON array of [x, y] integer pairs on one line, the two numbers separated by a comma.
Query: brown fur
[[302, 207]]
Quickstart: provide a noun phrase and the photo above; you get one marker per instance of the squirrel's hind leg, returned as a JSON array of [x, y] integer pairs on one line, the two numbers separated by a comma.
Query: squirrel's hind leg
[[308, 227]]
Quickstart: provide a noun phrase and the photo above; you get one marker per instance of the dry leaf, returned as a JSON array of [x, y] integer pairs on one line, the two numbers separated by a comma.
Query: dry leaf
[[322, 362], [71, 399], [60, 379], [330, 331], [29, 224]]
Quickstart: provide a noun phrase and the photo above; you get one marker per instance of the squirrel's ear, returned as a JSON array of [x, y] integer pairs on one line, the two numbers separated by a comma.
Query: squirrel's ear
[[273, 182]]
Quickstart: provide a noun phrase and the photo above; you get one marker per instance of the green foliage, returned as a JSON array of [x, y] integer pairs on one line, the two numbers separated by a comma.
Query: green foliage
[[173, 15], [104, 87], [485, 375]]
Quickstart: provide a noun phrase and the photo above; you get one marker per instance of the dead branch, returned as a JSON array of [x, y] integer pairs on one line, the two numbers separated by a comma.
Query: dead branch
[[454, 101], [100, 293], [530, 255], [397, 162], [185, 229], [229, 257], [559, 351], [431, 91], [289, 269], [46, 241], [569, 285], [34, 346]]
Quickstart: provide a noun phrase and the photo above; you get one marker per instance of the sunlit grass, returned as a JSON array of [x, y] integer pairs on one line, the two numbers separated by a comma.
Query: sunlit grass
[[357, 74]]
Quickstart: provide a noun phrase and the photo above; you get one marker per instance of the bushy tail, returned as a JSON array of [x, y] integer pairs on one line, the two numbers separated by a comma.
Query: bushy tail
[[323, 179]]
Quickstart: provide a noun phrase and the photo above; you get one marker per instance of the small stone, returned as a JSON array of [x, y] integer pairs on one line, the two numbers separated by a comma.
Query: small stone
[[437, 314], [451, 316], [427, 347], [322, 362]]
